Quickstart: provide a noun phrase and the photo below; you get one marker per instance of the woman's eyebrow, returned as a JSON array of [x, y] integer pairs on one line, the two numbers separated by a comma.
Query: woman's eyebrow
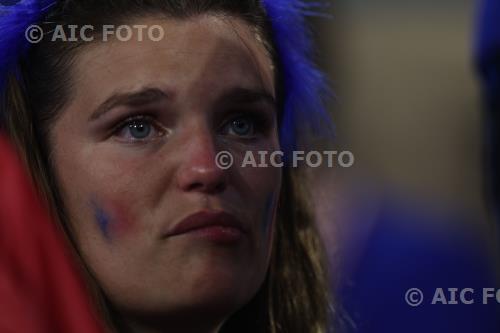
[[240, 95], [138, 98]]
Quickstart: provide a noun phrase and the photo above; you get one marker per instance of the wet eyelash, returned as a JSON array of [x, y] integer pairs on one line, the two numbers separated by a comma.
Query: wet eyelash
[[261, 121], [127, 121]]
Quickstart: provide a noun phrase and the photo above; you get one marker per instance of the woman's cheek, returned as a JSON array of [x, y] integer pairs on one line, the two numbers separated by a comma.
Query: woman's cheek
[[264, 183], [113, 220]]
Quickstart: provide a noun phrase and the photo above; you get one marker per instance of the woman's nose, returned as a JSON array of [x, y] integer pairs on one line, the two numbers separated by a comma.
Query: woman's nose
[[198, 170]]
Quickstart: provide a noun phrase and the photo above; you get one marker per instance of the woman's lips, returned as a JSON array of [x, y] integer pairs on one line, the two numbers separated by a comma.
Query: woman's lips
[[217, 226]]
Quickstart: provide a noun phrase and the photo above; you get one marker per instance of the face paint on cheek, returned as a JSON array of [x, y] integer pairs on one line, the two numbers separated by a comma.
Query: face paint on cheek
[[113, 221], [123, 221], [269, 212], [267, 224], [103, 220]]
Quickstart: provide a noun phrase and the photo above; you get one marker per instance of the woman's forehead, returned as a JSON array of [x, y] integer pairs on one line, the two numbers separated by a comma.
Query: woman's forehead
[[195, 54]]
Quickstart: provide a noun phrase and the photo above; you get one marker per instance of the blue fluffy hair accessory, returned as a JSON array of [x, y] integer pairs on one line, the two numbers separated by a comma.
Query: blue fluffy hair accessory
[[306, 90], [305, 114], [15, 18]]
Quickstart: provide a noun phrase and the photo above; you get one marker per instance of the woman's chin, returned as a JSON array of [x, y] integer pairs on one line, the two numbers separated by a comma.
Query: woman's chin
[[217, 288], [222, 284]]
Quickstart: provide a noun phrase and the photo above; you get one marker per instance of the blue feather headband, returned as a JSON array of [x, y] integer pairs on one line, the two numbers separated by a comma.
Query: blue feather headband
[[14, 20], [306, 87]]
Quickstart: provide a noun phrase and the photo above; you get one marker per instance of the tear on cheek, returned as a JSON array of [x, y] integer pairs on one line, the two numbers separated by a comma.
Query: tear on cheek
[[113, 220]]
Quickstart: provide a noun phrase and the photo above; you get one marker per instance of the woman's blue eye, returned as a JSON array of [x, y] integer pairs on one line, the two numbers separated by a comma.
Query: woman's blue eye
[[242, 126], [140, 129]]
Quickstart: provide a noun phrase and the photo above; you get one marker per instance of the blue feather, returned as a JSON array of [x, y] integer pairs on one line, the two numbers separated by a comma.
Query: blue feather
[[14, 20], [306, 87]]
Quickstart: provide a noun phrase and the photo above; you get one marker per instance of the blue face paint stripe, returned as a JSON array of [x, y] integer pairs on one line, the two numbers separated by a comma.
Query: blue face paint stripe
[[267, 217], [103, 220]]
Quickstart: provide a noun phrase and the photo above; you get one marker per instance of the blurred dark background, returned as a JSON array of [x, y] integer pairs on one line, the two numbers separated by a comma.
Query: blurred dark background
[[408, 100], [414, 211]]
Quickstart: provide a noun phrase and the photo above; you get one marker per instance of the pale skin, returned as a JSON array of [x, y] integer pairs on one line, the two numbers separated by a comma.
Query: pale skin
[[148, 173]]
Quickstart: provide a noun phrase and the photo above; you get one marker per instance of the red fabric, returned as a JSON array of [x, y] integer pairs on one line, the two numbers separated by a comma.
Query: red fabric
[[41, 290]]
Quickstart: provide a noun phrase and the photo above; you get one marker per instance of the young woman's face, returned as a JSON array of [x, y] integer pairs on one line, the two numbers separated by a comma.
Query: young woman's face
[[135, 155]]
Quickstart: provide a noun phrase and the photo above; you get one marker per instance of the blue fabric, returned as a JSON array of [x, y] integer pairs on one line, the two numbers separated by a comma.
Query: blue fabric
[[487, 48], [487, 58], [400, 254], [488, 39]]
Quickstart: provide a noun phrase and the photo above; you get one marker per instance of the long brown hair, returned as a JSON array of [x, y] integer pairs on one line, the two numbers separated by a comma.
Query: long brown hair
[[295, 295]]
